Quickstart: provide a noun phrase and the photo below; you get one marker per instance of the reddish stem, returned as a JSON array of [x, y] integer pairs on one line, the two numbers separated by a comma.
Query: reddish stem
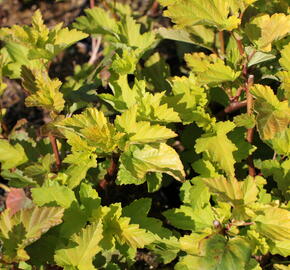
[[55, 151], [222, 42]]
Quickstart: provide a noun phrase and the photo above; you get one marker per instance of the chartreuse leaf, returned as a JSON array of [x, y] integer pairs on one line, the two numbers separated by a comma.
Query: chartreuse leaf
[[81, 249], [133, 235], [188, 218], [124, 33], [150, 106], [156, 72], [245, 120], [189, 100], [138, 211], [218, 253], [89, 198], [80, 163], [264, 29], [273, 116], [11, 156], [44, 92], [96, 21], [93, 131], [160, 158], [209, 12], [274, 223], [39, 40], [57, 194], [141, 132], [121, 229], [285, 57], [284, 76], [233, 191], [210, 69], [218, 147], [26, 226], [196, 34], [2, 84], [280, 173]]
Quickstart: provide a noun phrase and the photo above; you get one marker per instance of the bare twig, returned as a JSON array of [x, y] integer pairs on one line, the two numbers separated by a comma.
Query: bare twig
[[96, 43]]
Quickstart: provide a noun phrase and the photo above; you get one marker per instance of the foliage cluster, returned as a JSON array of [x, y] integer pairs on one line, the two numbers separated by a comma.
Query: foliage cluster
[[218, 124]]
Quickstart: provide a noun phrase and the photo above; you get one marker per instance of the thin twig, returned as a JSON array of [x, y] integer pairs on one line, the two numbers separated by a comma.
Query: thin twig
[[96, 43], [250, 131], [55, 151], [240, 45], [222, 43], [234, 106]]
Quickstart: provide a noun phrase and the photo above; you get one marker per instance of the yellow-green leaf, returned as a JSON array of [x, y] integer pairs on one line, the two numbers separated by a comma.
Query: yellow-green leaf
[[273, 116], [218, 147], [11, 156], [207, 12], [210, 69], [83, 247], [263, 30], [274, 223]]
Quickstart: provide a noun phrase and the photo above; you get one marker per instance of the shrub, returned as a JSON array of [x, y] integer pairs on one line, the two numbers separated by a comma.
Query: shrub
[[220, 129]]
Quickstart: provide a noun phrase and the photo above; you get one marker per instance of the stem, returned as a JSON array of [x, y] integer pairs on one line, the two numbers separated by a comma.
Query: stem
[[234, 106], [55, 151], [96, 43], [222, 43], [111, 172], [240, 45], [250, 131], [154, 9]]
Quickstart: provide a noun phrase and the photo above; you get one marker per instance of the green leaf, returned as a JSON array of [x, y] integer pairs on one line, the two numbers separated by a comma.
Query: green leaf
[[11, 156], [60, 195], [44, 92], [141, 132], [89, 198], [285, 57], [245, 120], [82, 248], [162, 158], [92, 127], [156, 72], [218, 147], [262, 30], [193, 12], [273, 116], [80, 163], [96, 21], [40, 41], [274, 223], [280, 247], [138, 211], [240, 194], [197, 34], [210, 69], [133, 235], [27, 226], [188, 218]]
